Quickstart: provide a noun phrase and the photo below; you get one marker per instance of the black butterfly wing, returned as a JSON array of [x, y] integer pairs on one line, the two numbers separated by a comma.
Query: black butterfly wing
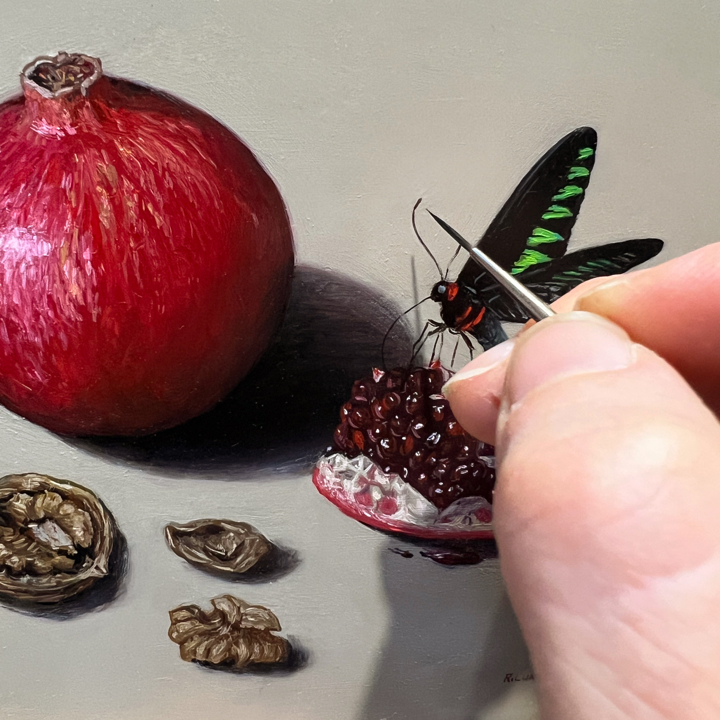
[[551, 280], [534, 225]]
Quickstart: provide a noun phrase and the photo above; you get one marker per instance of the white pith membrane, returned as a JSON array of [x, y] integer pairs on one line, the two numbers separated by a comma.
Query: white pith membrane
[[359, 485]]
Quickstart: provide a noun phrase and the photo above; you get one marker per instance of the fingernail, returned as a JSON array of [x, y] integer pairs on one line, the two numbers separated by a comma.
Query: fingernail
[[604, 297], [565, 345], [483, 363]]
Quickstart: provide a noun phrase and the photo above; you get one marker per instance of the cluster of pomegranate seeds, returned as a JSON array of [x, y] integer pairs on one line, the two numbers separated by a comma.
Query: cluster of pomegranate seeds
[[401, 421]]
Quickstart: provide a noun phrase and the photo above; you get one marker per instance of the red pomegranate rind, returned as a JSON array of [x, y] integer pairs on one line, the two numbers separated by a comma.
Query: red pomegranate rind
[[360, 489]]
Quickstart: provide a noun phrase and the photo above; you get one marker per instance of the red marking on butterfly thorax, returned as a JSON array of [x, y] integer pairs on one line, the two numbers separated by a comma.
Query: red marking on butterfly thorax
[[452, 291], [466, 314], [471, 323]]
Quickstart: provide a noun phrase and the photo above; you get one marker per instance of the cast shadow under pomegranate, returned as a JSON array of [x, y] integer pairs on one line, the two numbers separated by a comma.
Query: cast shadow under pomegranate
[[283, 414]]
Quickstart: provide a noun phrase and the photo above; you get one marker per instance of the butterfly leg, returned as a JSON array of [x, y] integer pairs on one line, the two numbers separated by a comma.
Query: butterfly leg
[[395, 322], [424, 335], [434, 353], [454, 355], [469, 344], [439, 329], [439, 333]]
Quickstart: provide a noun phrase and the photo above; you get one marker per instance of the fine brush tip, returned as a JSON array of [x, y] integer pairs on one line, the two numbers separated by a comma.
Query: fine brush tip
[[438, 220], [451, 231]]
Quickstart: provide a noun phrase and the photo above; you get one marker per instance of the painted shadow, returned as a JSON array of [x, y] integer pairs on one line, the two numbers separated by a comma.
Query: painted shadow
[[297, 659], [282, 415], [451, 643]]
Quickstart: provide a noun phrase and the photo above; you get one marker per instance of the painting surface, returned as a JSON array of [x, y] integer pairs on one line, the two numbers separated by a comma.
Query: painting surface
[[356, 110]]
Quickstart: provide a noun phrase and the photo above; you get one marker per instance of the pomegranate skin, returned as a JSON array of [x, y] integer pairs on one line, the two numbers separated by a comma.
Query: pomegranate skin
[[145, 256]]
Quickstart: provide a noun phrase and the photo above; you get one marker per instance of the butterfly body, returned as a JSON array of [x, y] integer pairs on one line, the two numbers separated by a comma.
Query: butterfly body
[[461, 309], [529, 238]]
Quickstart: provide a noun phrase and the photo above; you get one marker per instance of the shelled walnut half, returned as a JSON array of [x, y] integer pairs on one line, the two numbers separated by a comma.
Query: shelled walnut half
[[222, 546], [233, 634], [56, 538]]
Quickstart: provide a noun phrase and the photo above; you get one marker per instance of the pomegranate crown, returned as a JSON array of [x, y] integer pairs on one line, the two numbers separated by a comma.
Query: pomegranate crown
[[63, 74]]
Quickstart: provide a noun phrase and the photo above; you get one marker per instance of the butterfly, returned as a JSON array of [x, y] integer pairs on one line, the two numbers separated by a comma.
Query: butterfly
[[529, 238]]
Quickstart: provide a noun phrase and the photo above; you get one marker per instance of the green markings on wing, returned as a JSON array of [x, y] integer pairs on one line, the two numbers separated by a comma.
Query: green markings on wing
[[569, 191], [589, 269], [578, 172], [528, 259], [541, 236], [556, 211]]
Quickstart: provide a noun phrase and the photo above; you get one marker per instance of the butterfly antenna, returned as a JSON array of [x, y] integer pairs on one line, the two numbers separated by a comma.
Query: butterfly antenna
[[393, 324], [452, 260], [422, 242]]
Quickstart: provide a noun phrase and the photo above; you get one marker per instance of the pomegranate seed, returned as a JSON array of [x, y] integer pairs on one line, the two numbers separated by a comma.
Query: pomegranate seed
[[407, 445], [433, 439], [345, 411], [378, 431], [387, 447], [419, 428], [438, 411], [358, 418], [388, 506], [413, 403], [399, 424], [417, 459], [391, 401], [341, 437]]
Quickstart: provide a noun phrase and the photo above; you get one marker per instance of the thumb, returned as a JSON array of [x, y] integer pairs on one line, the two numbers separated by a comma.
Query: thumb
[[606, 514]]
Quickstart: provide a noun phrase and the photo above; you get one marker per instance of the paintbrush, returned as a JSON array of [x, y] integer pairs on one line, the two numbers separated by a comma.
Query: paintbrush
[[535, 307]]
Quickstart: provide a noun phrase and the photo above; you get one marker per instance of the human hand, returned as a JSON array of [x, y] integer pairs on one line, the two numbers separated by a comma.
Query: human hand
[[607, 503]]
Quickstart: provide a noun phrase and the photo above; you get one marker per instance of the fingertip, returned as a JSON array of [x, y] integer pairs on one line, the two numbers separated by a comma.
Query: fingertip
[[474, 391], [481, 365], [564, 345]]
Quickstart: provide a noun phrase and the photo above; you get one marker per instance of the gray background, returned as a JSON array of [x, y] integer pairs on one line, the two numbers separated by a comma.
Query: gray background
[[357, 109]]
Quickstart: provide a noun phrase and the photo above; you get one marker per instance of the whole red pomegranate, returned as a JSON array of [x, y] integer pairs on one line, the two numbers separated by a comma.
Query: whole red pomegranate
[[145, 254]]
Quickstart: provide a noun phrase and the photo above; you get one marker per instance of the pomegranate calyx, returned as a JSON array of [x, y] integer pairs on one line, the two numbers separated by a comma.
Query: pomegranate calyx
[[64, 74]]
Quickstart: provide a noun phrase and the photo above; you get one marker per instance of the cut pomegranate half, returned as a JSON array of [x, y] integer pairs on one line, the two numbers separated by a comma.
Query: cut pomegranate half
[[400, 461]]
